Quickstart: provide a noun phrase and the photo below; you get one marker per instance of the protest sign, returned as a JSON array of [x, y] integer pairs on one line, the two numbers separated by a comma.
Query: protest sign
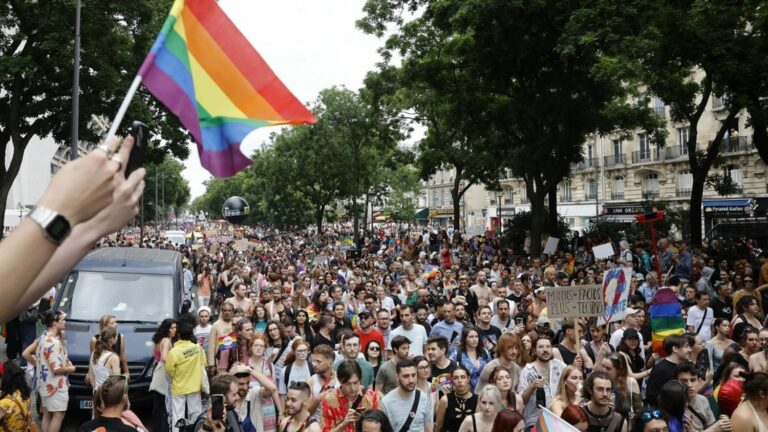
[[603, 251], [615, 294], [551, 246], [574, 301], [241, 245]]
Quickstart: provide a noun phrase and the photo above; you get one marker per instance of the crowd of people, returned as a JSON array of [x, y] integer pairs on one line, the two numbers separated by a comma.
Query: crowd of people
[[426, 332]]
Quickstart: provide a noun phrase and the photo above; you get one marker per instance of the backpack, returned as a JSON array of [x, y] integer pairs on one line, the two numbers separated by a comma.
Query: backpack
[[30, 315], [287, 372]]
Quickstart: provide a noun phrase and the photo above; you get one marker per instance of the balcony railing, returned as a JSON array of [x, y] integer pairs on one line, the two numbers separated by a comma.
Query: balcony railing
[[650, 155], [683, 192], [566, 198], [590, 196], [587, 164], [736, 144], [676, 152], [617, 195], [615, 160], [651, 194]]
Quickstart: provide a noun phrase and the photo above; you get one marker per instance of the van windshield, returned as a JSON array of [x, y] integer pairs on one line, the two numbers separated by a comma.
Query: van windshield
[[128, 296]]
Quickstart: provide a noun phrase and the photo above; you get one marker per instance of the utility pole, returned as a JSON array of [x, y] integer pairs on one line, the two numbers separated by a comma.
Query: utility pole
[[76, 86]]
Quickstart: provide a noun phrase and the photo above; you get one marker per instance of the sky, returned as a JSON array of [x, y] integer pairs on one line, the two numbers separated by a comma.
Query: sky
[[310, 45]]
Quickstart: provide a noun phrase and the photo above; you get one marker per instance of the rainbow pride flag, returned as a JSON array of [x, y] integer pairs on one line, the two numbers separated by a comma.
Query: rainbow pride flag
[[429, 272], [549, 422], [207, 73], [666, 318], [227, 342]]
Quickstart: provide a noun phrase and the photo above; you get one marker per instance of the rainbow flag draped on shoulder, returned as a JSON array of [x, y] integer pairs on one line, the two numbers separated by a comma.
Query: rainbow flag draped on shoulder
[[666, 318], [549, 422], [207, 73]]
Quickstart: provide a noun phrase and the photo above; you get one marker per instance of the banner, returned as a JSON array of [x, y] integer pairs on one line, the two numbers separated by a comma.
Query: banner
[[575, 301], [615, 294]]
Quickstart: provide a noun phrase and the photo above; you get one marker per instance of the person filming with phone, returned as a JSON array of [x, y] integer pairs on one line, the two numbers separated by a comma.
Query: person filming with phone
[[220, 416], [342, 407]]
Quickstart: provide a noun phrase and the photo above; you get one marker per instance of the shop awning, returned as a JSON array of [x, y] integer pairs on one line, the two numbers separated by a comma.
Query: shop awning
[[742, 202], [422, 213]]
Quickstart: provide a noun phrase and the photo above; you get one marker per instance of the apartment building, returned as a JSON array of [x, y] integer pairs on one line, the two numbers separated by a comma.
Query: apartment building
[[436, 197], [621, 170]]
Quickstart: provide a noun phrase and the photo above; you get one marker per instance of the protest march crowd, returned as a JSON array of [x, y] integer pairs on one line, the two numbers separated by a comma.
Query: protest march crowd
[[423, 330]]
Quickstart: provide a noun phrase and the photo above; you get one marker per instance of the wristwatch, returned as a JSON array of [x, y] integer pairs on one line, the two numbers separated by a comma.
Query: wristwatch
[[55, 226]]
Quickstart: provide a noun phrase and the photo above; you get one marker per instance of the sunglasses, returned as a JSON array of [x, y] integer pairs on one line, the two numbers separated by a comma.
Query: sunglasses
[[651, 415], [373, 348], [112, 380]]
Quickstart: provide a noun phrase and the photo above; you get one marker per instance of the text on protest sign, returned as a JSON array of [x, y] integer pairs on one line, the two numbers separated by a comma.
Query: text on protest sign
[[575, 301]]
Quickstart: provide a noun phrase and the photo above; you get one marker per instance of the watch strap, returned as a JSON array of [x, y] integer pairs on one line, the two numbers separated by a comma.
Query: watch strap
[[47, 219]]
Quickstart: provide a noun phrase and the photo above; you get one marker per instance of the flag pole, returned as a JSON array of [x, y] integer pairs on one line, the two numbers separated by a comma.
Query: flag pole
[[123, 108]]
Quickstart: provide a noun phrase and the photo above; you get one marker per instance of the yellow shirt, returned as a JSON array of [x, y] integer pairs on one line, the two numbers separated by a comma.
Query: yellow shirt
[[183, 365]]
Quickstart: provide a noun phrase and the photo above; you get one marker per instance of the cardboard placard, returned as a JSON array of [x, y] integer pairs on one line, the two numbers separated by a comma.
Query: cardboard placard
[[575, 301], [615, 293], [603, 251], [551, 246]]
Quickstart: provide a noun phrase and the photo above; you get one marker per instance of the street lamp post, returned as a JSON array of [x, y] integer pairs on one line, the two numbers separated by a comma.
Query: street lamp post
[[76, 86], [158, 176]]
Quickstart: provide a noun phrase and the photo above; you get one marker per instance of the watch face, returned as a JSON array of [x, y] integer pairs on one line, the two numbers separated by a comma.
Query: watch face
[[58, 228]]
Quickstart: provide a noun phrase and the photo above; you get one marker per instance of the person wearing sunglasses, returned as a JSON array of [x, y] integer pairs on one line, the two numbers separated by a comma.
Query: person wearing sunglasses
[[110, 401], [651, 421]]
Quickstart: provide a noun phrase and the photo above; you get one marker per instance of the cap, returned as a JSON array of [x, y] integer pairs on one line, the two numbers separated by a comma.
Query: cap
[[632, 311], [204, 308], [364, 313], [422, 254], [631, 334], [460, 300], [639, 276], [542, 321], [539, 289]]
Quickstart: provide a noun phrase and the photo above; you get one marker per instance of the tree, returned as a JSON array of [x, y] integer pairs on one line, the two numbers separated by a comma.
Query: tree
[[509, 87], [172, 189], [433, 88], [687, 53], [404, 188], [363, 135], [36, 73]]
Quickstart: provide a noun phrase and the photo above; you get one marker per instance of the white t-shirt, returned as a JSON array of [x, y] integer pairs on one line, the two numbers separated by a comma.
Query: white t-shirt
[[417, 335], [695, 315]]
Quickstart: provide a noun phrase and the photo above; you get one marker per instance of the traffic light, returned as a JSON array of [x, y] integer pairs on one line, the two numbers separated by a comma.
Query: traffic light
[[650, 217]]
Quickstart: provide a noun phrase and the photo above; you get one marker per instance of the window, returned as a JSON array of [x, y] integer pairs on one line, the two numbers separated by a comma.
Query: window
[[684, 183], [718, 102], [565, 188], [618, 188], [617, 150], [683, 133], [508, 198], [735, 173], [523, 195], [644, 146], [591, 189], [658, 107], [651, 186], [590, 152]]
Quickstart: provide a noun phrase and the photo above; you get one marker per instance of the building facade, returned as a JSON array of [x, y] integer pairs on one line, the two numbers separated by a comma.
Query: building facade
[[624, 169], [436, 196]]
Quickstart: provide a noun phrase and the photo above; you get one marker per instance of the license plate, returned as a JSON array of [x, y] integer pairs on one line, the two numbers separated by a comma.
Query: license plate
[[86, 404]]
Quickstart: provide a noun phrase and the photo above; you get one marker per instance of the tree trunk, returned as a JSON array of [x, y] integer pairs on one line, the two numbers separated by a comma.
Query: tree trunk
[[537, 216], [456, 210], [697, 194], [552, 208], [366, 231], [319, 213], [760, 137], [355, 221]]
